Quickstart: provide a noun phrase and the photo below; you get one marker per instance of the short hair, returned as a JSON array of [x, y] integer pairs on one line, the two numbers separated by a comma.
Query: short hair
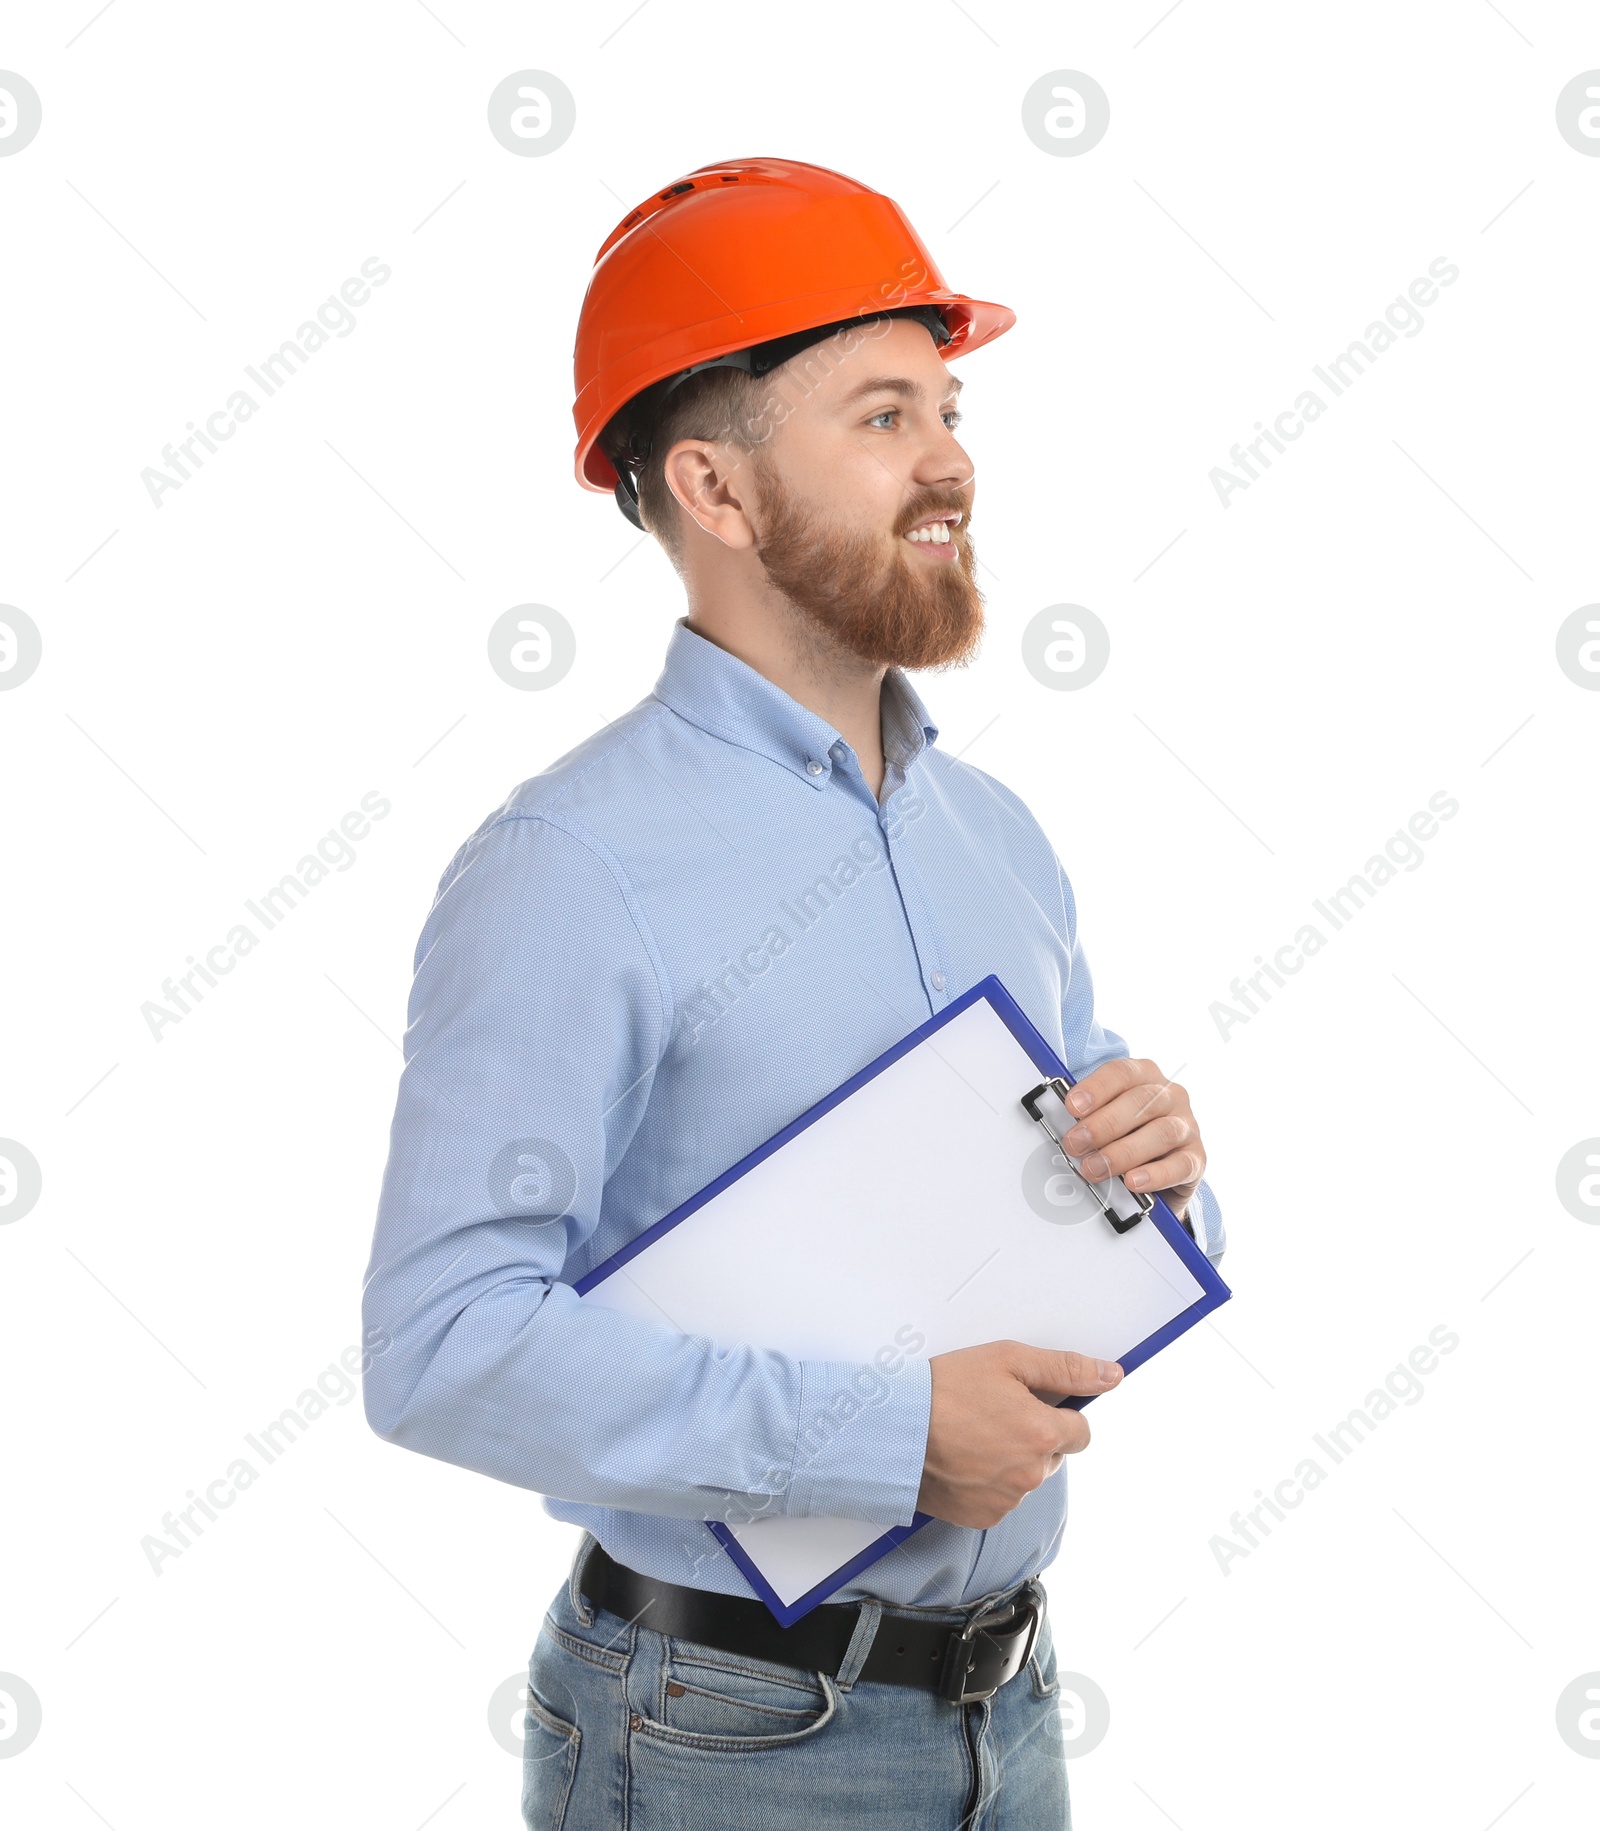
[[723, 404]]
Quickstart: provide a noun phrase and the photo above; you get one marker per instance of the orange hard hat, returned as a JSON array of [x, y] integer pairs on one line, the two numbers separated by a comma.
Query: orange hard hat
[[748, 259]]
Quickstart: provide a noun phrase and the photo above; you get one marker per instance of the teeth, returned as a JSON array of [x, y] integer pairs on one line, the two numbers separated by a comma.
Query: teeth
[[938, 532]]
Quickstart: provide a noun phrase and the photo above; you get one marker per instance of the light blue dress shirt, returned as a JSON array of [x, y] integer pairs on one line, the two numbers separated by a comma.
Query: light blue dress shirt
[[650, 958]]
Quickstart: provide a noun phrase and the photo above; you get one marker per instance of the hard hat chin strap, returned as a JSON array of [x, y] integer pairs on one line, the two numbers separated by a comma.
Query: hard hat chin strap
[[627, 495], [758, 359]]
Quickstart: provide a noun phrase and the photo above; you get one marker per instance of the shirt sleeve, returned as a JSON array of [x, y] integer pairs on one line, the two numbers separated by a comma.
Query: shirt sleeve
[[538, 1016], [1089, 1044]]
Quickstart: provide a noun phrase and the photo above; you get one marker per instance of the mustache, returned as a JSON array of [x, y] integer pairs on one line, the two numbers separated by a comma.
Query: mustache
[[935, 504]]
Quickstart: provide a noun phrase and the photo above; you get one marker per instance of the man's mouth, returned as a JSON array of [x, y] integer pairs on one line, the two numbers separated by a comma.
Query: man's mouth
[[936, 532]]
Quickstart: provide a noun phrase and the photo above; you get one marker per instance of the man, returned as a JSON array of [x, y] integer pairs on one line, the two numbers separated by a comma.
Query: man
[[666, 946]]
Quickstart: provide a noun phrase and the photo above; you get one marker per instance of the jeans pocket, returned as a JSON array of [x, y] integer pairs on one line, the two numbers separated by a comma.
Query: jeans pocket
[[549, 1761], [721, 1700]]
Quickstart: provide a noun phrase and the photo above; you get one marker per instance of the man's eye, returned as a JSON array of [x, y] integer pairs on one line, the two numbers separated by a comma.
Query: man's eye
[[951, 417]]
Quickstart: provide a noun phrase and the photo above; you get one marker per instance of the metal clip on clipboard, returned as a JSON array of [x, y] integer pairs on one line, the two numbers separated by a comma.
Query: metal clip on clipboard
[[1120, 1205]]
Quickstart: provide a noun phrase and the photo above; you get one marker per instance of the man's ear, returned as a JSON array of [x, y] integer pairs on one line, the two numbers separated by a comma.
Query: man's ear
[[711, 482]]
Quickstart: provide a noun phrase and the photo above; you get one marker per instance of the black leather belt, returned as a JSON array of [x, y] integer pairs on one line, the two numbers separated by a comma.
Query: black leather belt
[[961, 1661]]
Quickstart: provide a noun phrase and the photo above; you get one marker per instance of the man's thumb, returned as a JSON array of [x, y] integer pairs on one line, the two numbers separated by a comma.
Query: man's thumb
[[1063, 1373]]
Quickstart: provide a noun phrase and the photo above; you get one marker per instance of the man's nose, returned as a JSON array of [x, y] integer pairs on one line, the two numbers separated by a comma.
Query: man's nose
[[946, 466]]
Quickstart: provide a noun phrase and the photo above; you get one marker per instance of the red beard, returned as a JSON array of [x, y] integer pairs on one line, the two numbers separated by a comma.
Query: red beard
[[895, 609]]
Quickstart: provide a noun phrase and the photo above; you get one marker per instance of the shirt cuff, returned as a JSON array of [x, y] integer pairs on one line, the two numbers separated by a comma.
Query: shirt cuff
[[862, 1440], [1205, 1223]]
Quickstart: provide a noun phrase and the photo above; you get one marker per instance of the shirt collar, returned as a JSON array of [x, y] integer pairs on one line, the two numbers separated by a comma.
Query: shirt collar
[[727, 697]]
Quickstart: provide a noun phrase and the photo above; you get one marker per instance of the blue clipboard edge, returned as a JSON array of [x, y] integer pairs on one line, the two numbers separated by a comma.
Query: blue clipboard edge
[[1213, 1291]]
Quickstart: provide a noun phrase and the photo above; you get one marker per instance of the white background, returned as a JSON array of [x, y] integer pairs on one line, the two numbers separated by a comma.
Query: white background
[[1372, 621]]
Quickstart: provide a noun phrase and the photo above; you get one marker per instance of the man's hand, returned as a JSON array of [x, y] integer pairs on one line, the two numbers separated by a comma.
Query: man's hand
[[991, 1442], [1131, 1115]]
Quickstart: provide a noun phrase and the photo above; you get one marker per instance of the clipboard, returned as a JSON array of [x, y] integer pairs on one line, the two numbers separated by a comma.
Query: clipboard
[[815, 1242]]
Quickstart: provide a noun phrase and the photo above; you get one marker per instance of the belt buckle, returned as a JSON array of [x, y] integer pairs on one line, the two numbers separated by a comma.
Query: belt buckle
[[962, 1651]]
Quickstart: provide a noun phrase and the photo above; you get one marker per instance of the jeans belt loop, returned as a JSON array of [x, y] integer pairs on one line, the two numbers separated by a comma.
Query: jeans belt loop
[[855, 1655], [575, 1595]]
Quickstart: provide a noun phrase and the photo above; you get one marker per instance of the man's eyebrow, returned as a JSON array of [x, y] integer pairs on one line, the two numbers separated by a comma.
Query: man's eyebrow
[[896, 384]]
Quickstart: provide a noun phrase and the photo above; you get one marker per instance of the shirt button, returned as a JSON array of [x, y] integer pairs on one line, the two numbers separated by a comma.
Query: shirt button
[[813, 767], [938, 981]]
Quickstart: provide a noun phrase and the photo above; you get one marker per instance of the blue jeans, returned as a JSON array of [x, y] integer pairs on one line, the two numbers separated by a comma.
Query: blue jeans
[[627, 1728]]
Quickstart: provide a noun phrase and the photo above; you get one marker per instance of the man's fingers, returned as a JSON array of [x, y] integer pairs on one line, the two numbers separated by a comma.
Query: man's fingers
[[1117, 1116], [1157, 1139], [1072, 1435], [1166, 1173], [1108, 1080], [1062, 1372]]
